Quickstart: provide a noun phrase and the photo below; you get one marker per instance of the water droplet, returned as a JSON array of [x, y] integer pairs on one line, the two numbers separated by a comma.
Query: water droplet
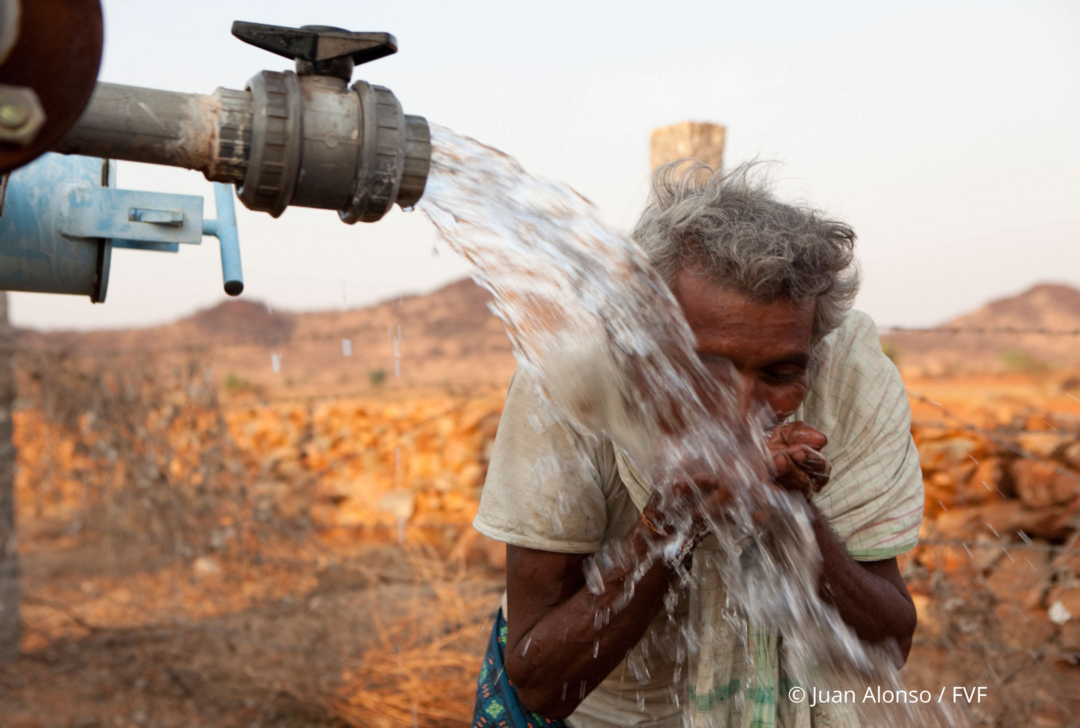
[[346, 347], [275, 363], [526, 647], [593, 579], [583, 308], [556, 524], [596, 649], [563, 697], [601, 618], [563, 503]]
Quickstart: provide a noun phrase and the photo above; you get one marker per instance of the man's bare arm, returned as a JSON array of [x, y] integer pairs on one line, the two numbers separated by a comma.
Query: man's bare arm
[[870, 596], [555, 655]]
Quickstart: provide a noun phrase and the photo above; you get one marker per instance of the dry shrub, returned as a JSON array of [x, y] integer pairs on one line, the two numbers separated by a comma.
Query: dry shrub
[[421, 669], [139, 449]]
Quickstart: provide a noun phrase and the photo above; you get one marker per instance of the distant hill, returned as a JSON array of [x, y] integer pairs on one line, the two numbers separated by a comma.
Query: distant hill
[[448, 339], [1047, 306]]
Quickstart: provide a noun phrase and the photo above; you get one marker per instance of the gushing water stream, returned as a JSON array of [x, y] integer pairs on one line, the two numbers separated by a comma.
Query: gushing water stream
[[607, 344]]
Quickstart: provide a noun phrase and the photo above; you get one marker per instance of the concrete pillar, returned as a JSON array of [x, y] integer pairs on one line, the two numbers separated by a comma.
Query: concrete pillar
[[697, 140], [9, 563]]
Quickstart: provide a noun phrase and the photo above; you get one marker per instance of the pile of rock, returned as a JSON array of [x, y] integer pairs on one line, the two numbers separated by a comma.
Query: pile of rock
[[373, 468], [999, 562]]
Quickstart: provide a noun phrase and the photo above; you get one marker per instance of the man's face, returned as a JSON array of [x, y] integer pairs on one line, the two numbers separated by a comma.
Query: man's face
[[769, 343]]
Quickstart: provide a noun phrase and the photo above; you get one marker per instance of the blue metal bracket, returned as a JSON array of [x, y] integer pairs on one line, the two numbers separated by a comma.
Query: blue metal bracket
[[63, 216], [132, 215]]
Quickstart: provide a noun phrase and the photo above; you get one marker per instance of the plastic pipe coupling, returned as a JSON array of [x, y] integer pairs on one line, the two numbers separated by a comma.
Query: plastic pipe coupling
[[290, 138], [316, 143]]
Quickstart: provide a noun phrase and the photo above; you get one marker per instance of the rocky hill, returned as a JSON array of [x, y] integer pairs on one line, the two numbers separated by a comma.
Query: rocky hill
[[983, 340], [447, 341]]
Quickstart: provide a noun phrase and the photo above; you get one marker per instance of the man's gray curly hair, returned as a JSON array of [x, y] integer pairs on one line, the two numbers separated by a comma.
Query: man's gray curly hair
[[730, 227]]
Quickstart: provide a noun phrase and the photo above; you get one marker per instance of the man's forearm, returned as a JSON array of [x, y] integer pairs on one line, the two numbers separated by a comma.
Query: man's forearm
[[555, 662], [876, 606]]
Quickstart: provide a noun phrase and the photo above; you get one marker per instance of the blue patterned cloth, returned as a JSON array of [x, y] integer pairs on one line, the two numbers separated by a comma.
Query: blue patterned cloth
[[497, 701]]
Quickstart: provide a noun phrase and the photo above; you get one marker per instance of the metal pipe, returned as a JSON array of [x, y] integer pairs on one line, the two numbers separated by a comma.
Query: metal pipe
[[164, 127], [287, 139]]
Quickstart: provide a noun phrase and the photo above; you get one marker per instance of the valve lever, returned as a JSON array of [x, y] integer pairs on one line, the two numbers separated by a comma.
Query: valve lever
[[315, 48]]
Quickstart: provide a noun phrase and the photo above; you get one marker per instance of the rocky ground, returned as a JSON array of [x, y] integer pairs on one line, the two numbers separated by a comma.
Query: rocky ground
[[205, 543]]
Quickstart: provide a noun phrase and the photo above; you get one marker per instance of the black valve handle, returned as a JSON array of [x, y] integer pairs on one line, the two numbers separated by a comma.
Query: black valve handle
[[316, 44]]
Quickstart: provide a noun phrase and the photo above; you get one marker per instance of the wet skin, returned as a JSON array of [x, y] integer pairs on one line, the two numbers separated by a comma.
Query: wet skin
[[550, 612]]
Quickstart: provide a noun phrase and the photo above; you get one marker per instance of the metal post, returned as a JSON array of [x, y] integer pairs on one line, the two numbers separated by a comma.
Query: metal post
[[9, 555], [194, 131]]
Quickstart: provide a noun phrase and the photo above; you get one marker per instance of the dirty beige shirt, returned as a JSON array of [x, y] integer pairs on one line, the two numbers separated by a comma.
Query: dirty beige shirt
[[553, 489]]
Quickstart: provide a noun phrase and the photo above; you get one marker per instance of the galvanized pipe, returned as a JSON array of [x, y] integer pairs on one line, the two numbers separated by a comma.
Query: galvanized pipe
[[164, 127]]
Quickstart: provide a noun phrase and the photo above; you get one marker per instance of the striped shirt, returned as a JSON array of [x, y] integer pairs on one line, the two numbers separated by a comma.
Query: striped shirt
[[551, 489]]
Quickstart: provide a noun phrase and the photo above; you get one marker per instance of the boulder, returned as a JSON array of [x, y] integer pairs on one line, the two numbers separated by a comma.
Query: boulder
[[1068, 597], [1005, 518], [940, 494], [949, 451], [1067, 564], [1052, 523], [1039, 483], [1043, 444], [1069, 636], [1022, 577], [1023, 629], [988, 481], [1071, 454]]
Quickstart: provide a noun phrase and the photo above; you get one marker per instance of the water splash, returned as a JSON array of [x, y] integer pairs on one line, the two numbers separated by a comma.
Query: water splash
[[607, 344]]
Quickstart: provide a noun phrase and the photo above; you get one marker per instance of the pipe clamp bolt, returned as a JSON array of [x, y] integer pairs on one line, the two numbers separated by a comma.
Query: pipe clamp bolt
[[13, 116], [21, 114]]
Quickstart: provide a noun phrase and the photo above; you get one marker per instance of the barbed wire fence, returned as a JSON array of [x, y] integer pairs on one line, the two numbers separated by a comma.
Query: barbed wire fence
[[240, 600], [75, 343]]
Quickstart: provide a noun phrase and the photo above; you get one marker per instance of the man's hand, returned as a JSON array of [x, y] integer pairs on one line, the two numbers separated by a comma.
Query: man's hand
[[798, 467], [796, 453], [698, 498]]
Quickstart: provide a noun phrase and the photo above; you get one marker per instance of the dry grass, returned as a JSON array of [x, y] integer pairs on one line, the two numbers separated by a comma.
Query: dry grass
[[176, 574], [421, 669]]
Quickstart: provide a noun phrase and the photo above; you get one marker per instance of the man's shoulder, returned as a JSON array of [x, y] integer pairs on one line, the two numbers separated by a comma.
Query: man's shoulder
[[855, 381], [858, 328], [853, 347]]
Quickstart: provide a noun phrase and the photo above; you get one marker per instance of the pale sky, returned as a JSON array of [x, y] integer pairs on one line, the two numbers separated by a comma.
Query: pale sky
[[946, 133]]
